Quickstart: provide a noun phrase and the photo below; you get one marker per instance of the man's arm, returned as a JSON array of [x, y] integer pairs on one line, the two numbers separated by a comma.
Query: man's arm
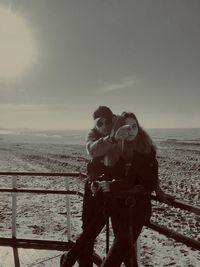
[[96, 145]]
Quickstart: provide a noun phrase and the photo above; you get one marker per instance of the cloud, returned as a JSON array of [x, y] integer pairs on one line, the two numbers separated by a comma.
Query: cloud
[[122, 84]]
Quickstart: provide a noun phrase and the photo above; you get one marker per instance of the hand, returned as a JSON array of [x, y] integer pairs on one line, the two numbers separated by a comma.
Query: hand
[[105, 186], [123, 132], [94, 187]]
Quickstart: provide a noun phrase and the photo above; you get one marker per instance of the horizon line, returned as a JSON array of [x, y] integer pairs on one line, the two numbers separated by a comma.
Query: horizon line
[[78, 129]]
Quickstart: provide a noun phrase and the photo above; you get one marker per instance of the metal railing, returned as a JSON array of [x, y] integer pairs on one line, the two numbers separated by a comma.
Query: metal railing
[[61, 245], [14, 190], [195, 244]]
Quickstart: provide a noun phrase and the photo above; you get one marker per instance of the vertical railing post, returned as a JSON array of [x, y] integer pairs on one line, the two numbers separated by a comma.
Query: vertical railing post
[[138, 251], [135, 246], [68, 210], [14, 206], [107, 235]]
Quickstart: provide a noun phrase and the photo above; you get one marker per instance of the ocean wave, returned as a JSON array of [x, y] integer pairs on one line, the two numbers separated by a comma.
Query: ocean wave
[[10, 132], [183, 142], [191, 150]]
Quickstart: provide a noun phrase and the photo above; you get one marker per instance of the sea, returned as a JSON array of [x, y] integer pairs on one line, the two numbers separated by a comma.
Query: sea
[[73, 137]]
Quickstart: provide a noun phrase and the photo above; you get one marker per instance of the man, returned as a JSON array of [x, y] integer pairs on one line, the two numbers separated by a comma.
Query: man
[[100, 141]]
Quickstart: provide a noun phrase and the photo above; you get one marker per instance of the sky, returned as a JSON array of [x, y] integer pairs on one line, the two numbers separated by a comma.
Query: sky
[[61, 59]]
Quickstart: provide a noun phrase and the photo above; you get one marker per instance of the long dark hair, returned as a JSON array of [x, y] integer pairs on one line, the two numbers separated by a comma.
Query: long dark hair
[[142, 142], [126, 149]]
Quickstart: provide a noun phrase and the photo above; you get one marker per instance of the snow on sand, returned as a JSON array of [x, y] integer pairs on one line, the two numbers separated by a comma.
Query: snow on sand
[[44, 216]]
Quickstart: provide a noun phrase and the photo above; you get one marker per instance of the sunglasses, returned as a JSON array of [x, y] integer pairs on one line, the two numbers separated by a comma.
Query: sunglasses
[[105, 122]]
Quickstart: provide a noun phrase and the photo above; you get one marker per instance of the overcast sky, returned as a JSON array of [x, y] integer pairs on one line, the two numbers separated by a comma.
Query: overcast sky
[[141, 56]]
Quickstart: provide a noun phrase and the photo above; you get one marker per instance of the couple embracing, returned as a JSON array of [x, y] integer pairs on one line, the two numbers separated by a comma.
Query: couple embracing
[[122, 174]]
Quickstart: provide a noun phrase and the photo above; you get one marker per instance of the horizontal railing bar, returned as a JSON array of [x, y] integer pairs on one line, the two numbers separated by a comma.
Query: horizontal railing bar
[[41, 191], [36, 244], [181, 205], [73, 174], [175, 203], [176, 236]]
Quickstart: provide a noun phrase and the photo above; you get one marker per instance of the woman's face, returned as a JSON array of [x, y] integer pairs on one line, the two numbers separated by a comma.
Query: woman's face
[[133, 129]]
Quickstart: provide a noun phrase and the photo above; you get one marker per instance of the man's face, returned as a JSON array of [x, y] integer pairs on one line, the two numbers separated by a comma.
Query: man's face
[[103, 125]]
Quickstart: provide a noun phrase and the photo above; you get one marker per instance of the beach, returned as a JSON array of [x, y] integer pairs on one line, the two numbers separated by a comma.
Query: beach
[[44, 216]]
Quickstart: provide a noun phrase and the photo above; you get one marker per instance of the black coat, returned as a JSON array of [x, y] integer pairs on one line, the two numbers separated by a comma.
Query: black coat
[[142, 170]]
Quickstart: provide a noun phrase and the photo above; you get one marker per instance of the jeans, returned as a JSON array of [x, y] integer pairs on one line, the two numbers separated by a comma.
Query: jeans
[[129, 225], [94, 219]]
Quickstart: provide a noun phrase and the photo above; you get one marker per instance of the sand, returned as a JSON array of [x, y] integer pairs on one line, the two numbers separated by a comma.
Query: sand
[[44, 216]]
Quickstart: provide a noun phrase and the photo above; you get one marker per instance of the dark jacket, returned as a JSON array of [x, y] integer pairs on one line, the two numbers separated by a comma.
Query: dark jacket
[[142, 171]]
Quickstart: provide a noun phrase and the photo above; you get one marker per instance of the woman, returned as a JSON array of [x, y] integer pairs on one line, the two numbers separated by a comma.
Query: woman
[[137, 154]]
